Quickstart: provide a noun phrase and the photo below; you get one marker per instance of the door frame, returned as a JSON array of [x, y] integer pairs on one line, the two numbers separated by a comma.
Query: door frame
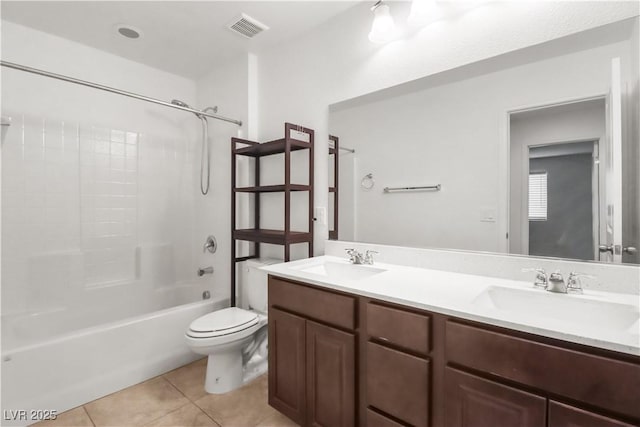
[[504, 152]]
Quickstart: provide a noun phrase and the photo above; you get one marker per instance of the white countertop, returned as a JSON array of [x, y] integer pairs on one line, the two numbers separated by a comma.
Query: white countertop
[[465, 296]]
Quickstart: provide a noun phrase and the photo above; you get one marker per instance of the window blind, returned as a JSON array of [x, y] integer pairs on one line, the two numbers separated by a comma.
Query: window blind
[[538, 196]]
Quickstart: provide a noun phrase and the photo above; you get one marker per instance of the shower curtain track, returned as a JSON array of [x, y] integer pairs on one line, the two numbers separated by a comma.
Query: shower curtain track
[[116, 91]]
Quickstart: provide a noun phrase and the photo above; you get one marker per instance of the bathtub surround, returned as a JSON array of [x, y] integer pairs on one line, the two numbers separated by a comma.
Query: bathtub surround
[[100, 197]]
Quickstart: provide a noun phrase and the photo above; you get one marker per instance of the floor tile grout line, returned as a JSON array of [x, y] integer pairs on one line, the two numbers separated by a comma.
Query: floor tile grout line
[[89, 415], [168, 413], [207, 414], [192, 401]]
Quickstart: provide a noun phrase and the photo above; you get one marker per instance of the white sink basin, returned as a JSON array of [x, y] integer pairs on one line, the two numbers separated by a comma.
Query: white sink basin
[[566, 308], [341, 271]]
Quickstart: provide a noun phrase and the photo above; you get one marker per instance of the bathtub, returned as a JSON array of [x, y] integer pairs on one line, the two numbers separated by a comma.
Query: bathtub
[[45, 369]]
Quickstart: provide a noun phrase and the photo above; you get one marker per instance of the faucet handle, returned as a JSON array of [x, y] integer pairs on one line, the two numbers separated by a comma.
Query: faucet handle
[[368, 256], [574, 285], [541, 277], [353, 255]]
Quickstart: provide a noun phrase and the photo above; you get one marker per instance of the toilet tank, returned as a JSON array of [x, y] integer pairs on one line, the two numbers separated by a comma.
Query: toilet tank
[[253, 283]]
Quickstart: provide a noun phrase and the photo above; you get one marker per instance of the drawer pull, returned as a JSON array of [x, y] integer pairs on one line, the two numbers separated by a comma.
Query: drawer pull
[[383, 339]]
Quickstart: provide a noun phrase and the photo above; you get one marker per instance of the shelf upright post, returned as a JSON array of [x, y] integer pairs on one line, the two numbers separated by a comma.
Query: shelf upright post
[[311, 133], [233, 223], [287, 190]]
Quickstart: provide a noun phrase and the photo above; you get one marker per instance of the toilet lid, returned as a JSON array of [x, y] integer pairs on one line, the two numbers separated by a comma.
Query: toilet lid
[[225, 321]]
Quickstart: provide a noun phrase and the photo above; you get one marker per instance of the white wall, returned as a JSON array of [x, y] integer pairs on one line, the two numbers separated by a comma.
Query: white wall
[[335, 62], [97, 189], [451, 134]]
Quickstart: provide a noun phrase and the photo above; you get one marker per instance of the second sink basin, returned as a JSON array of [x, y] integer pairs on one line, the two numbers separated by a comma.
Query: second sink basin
[[338, 270], [590, 313]]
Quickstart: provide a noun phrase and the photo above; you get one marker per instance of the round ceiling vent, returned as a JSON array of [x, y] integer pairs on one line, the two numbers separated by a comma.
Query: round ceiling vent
[[128, 31]]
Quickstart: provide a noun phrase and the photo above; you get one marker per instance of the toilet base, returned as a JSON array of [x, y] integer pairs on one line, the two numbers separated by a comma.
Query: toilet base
[[224, 372]]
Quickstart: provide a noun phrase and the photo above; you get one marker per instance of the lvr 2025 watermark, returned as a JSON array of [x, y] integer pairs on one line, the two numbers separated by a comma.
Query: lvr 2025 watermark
[[29, 415]]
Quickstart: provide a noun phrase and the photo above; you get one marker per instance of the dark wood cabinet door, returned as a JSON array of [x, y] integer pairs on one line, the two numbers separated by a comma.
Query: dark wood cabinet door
[[471, 401], [330, 376], [398, 384], [561, 415], [287, 364]]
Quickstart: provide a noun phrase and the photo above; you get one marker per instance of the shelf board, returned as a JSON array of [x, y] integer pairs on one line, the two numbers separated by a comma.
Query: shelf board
[[275, 237], [272, 147], [332, 150], [271, 188]]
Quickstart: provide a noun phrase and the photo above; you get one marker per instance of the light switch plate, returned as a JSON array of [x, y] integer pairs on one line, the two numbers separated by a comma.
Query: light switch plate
[[320, 213]]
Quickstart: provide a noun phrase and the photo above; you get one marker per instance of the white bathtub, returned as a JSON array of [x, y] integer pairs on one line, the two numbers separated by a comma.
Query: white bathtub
[[74, 368]]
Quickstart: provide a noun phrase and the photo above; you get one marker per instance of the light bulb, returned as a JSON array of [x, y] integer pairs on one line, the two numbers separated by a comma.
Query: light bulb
[[383, 28]]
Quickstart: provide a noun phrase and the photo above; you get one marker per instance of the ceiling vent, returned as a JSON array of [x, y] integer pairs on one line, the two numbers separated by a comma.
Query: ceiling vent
[[246, 26]]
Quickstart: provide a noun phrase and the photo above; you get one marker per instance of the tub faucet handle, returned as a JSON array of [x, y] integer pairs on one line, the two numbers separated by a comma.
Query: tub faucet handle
[[210, 245]]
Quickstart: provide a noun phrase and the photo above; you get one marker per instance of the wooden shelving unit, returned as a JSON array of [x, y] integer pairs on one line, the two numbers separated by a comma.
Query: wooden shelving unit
[[333, 190], [285, 237]]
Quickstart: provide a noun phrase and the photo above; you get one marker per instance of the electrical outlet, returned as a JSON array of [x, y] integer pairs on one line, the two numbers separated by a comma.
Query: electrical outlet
[[487, 215]]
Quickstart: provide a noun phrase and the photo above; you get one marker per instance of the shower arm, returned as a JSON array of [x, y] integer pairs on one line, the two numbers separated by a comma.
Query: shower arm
[[116, 91]]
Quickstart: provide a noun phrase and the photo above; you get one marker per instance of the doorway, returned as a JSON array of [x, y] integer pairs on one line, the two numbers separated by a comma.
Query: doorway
[[555, 180]]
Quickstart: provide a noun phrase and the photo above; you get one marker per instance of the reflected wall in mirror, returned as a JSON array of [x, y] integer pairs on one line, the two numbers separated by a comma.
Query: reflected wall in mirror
[[537, 153]]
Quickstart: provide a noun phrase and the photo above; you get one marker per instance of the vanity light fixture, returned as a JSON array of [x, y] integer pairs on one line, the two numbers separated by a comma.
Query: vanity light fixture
[[383, 29]]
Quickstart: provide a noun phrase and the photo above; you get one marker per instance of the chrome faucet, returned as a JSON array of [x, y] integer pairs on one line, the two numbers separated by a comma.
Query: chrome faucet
[[556, 283], [368, 257], [356, 257], [541, 279], [574, 286]]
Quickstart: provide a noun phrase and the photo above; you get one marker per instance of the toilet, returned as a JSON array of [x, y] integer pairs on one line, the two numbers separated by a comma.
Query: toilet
[[235, 338]]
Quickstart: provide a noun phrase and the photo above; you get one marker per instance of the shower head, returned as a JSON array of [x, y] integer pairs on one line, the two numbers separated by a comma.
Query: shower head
[[180, 103]]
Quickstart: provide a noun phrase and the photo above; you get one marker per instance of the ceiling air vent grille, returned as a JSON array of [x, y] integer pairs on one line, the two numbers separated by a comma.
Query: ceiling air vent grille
[[246, 26]]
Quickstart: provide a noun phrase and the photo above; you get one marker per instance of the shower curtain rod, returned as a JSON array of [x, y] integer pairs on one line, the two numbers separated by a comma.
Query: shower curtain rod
[[114, 90]]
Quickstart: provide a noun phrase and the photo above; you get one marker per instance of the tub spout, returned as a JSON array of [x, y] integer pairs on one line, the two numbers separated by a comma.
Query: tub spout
[[206, 270]]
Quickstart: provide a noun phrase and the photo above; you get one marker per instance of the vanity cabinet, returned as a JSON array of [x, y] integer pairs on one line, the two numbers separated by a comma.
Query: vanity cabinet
[[312, 348], [337, 359]]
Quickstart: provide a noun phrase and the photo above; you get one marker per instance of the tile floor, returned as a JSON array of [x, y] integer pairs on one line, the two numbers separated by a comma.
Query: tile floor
[[174, 399]]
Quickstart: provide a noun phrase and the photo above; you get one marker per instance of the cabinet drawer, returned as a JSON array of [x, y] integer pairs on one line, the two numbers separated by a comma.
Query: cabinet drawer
[[402, 328], [328, 307], [398, 384], [561, 415], [600, 381], [375, 419]]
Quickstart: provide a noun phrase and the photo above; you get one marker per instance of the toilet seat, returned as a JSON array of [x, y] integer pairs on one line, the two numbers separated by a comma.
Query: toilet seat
[[223, 322]]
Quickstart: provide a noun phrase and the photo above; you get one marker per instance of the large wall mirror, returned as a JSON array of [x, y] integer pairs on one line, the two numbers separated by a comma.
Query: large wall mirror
[[535, 152]]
